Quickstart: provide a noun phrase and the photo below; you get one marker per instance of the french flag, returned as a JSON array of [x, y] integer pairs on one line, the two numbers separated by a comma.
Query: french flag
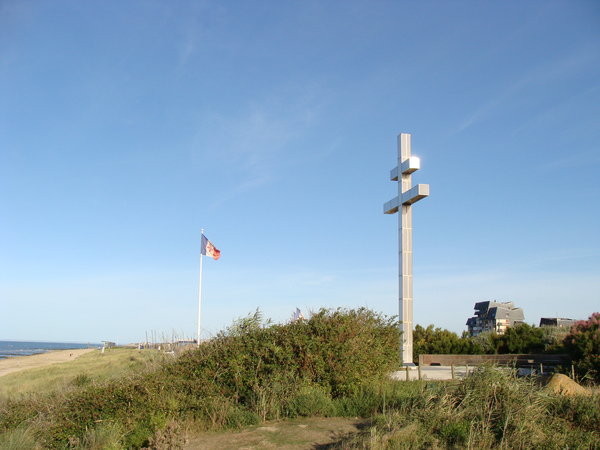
[[208, 249]]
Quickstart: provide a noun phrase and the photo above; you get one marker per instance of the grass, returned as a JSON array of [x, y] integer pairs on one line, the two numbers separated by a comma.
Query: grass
[[20, 438], [490, 409], [335, 364], [89, 368], [250, 373]]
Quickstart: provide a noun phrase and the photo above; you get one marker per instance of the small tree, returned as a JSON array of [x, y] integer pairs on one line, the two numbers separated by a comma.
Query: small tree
[[485, 343], [522, 338], [583, 344], [553, 338], [438, 341]]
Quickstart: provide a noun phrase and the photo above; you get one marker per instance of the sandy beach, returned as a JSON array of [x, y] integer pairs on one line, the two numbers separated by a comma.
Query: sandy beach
[[18, 363]]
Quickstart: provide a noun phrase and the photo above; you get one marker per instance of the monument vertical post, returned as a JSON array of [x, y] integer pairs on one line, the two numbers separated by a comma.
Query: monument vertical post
[[402, 204]]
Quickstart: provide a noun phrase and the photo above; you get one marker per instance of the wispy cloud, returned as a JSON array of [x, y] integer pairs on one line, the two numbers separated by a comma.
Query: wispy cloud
[[558, 114], [579, 159], [254, 144], [539, 75], [560, 256], [239, 189], [543, 261], [492, 104], [195, 30], [252, 140]]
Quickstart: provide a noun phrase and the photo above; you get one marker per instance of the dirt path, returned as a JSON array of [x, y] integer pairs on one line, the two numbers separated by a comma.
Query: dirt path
[[18, 363], [301, 433]]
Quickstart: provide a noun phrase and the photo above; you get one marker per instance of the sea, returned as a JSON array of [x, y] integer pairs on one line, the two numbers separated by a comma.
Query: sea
[[9, 349]]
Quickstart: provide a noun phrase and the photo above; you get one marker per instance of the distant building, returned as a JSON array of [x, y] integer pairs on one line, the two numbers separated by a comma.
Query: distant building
[[556, 322], [494, 316]]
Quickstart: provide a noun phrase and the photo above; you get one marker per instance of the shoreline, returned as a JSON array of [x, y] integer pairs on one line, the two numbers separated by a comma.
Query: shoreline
[[19, 363]]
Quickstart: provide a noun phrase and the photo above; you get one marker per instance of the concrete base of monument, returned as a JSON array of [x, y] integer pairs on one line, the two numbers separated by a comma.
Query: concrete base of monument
[[431, 373]]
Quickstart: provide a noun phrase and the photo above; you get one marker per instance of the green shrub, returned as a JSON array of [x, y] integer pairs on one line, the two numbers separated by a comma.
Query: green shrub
[[583, 344], [14, 413], [378, 397], [81, 380], [522, 338], [437, 341], [553, 337], [252, 370], [581, 411], [361, 403], [311, 400], [485, 343], [337, 362], [455, 432], [144, 429], [240, 417]]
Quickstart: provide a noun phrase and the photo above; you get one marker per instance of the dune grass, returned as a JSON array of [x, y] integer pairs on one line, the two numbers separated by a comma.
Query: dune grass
[[334, 364], [91, 367], [489, 409], [250, 373]]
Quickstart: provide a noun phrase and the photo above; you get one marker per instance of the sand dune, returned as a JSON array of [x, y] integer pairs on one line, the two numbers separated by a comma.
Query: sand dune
[[19, 363]]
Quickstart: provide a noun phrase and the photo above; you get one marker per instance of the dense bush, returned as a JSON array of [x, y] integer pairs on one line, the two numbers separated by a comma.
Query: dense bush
[[437, 341], [522, 338], [253, 371], [583, 344]]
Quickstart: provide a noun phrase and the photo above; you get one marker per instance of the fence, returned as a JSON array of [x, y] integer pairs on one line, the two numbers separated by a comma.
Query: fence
[[526, 364], [516, 360]]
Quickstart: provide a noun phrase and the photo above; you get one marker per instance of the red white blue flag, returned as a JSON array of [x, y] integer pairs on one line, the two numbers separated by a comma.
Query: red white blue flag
[[208, 249]]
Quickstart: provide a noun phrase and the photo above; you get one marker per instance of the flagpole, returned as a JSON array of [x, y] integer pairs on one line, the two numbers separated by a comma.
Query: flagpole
[[200, 291]]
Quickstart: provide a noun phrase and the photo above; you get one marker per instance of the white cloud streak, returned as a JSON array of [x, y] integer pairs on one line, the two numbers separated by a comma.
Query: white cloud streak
[[257, 143], [545, 73]]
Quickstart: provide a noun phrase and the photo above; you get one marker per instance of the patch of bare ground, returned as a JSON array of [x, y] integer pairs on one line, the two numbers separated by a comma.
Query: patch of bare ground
[[300, 433], [563, 385]]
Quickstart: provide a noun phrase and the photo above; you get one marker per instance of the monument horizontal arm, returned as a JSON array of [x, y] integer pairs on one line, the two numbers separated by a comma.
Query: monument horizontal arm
[[409, 197], [408, 166], [415, 194], [392, 206]]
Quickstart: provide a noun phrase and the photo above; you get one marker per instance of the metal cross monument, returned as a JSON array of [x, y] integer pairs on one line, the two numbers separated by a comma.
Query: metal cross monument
[[407, 195]]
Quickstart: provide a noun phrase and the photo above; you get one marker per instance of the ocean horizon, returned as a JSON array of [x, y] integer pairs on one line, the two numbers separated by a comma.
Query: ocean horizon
[[11, 349]]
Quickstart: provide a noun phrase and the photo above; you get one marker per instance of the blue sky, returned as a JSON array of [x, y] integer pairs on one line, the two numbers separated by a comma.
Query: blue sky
[[126, 127]]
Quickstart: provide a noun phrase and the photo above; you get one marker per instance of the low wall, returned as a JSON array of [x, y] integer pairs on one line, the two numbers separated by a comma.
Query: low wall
[[520, 360]]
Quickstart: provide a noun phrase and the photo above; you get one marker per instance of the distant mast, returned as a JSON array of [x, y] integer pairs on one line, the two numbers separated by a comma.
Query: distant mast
[[200, 292], [208, 249]]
